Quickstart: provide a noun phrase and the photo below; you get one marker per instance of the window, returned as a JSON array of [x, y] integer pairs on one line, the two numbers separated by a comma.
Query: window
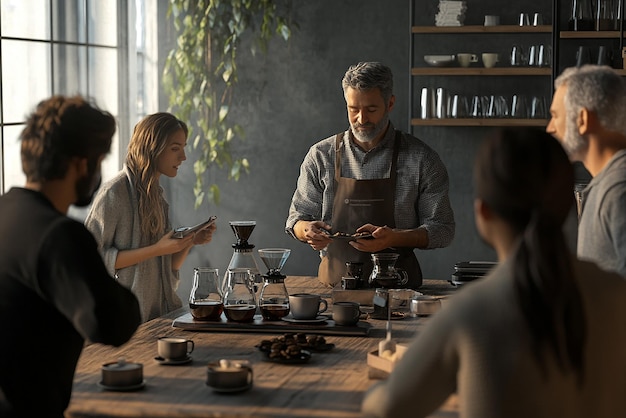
[[96, 48]]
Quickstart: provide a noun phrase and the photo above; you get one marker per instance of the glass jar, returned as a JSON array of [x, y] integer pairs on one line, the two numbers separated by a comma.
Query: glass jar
[[239, 299]]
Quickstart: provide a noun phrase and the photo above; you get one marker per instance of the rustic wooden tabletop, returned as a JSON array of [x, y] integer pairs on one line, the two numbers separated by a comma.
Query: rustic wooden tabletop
[[330, 384]]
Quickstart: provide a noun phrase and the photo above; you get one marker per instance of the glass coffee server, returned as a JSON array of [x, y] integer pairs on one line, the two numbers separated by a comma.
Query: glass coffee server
[[239, 298], [274, 299]]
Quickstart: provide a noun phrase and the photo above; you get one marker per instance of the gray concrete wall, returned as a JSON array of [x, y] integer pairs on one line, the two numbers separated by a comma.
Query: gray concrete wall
[[291, 98]]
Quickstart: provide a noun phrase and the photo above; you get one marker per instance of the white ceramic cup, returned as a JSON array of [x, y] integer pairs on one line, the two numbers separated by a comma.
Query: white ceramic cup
[[171, 348], [492, 20], [466, 59], [489, 59], [306, 305]]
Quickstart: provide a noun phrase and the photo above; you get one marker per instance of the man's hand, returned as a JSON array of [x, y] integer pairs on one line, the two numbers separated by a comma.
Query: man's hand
[[314, 233], [382, 238]]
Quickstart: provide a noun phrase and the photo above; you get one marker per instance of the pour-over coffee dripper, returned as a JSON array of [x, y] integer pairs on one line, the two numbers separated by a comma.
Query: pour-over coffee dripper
[[274, 299], [243, 256], [274, 259]]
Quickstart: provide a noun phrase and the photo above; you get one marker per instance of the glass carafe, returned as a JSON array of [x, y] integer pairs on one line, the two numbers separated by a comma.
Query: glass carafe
[[239, 299], [384, 273], [205, 300], [274, 299]]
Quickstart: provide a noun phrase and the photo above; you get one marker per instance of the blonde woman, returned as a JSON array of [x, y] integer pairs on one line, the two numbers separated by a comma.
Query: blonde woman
[[129, 217]]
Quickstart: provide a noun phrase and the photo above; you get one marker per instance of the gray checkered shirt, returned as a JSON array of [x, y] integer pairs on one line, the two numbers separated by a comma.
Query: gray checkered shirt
[[421, 189]]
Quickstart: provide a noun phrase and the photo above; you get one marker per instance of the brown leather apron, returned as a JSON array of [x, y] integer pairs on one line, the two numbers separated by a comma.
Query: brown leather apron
[[356, 203]]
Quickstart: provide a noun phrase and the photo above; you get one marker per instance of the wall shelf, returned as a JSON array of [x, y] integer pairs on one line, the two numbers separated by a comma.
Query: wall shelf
[[482, 29], [504, 71], [479, 122], [607, 34]]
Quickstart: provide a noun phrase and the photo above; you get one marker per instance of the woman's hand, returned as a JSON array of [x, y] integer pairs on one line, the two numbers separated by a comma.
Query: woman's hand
[[205, 235], [169, 245]]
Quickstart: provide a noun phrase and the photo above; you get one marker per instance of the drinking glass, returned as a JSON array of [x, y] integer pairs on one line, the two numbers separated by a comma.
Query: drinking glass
[[519, 107], [524, 20], [533, 55], [544, 55], [518, 58], [583, 56], [459, 106], [538, 108], [476, 110]]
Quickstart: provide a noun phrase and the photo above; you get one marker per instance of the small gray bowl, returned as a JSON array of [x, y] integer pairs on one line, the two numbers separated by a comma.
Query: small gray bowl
[[122, 374]]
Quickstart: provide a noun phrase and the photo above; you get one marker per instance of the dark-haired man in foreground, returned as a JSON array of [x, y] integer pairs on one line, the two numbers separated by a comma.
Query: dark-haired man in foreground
[[55, 291]]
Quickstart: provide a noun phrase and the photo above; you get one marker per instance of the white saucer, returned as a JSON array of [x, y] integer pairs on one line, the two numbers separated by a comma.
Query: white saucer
[[171, 362], [317, 320], [231, 390], [123, 388]]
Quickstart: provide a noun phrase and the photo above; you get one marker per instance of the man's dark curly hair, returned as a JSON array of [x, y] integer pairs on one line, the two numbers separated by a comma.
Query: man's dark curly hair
[[60, 129]]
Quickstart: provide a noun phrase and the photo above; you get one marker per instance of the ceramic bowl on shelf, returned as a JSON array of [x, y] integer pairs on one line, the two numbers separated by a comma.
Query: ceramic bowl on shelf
[[439, 60]]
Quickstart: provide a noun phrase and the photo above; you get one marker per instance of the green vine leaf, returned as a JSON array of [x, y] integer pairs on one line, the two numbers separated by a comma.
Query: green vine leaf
[[200, 75]]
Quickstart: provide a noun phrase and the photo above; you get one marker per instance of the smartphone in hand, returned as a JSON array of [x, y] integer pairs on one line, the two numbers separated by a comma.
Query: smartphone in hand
[[183, 231]]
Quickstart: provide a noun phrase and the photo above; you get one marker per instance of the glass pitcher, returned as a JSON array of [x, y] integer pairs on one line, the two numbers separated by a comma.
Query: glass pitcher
[[205, 300], [239, 299], [385, 273]]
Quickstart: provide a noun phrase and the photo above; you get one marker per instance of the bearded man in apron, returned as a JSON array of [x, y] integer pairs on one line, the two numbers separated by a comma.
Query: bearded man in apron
[[371, 178]]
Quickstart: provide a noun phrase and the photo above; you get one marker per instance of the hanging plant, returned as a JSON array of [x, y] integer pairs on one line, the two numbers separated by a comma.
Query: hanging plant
[[200, 75]]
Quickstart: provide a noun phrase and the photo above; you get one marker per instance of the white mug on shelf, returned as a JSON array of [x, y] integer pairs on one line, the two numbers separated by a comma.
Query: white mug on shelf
[[491, 20], [489, 59], [466, 59]]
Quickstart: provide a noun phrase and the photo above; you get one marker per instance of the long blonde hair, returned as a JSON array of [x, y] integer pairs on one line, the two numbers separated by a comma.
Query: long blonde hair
[[150, 137]]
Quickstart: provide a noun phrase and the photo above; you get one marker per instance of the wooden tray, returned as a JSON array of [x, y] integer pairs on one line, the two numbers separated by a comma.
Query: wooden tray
[[187, 322]]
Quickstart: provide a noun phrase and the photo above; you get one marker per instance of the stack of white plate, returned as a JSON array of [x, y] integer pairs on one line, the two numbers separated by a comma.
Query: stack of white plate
[[451, 13]]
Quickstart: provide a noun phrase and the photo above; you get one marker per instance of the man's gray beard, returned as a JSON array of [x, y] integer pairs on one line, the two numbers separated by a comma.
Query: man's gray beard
[[369, 136], [574, 143]]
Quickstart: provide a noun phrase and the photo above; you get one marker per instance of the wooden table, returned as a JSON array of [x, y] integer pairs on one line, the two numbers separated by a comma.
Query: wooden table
[[332, 384]]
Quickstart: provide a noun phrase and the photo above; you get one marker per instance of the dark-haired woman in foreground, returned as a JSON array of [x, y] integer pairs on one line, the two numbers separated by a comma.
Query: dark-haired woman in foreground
[[544, 335]]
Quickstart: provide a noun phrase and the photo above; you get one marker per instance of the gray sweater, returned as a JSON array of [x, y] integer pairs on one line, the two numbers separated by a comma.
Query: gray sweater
[[114, 222], [602, 228], [478, 346]]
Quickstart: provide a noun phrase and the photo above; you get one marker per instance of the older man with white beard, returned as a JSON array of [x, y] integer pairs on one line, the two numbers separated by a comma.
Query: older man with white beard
[[589, 119], [373, 179]]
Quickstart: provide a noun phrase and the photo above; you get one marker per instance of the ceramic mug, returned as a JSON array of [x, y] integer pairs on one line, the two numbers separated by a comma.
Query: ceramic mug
[[346, 313], [491, 20], [489, 59], [466, 59], [306, 305], [171, 348]]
